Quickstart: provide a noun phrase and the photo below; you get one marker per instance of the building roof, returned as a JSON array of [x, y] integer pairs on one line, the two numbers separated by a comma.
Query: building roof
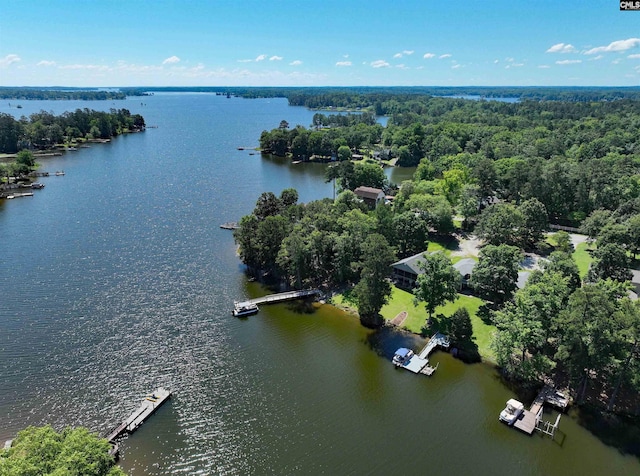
[[410, 264], [369, 192], [465, 266]]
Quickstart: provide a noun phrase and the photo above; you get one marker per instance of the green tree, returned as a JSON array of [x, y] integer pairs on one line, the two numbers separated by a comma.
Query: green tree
[[633, 232], [595, 222], [501, 223], [73, 452], [369, 175], [344, 153], [610, 262], [461, 329], [374, 288], [25, 158], [626, 368], [563, 242], [588, 340], [412, 232], [438, 283], [535, 222], [469, 206], [563, 263], [495, 276]]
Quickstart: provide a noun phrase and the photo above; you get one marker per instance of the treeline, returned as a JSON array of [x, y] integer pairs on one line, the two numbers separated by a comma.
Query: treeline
[[367, 96], [327, 136], [60, 94], [574, 157], [44, 130]]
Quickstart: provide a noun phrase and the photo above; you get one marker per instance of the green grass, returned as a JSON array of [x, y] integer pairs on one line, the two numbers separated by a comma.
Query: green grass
[[403, 301], [582, 258]]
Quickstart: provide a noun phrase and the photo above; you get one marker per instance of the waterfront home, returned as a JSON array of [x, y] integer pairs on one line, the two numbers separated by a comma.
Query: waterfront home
[[370, 195]]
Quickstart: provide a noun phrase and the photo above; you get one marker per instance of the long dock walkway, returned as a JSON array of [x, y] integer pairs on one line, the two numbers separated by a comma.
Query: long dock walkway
[[280, 297], [149, 405]]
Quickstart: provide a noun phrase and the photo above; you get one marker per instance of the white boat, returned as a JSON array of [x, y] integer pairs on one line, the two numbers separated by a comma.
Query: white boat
[[241, 309], [37, 185], [512, 411], [402, 356]]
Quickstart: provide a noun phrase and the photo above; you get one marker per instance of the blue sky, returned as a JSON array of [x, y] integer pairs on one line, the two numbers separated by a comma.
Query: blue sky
[[318, 43]]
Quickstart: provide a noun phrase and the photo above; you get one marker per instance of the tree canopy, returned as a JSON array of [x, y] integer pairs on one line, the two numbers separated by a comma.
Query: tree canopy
[[43, 451]]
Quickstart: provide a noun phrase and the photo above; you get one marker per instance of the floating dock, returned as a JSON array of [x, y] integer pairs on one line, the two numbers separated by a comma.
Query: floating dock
[[273, 298], [149, 405], [419, 363]]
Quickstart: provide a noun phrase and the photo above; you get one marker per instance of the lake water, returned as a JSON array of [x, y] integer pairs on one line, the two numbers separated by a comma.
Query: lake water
[[117, 279]]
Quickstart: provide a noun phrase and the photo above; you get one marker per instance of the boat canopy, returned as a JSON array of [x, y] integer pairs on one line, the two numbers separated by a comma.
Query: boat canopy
[[403, 351], [514, 403]]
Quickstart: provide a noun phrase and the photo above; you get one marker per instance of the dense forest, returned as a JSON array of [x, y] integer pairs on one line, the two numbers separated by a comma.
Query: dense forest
[[367, 96], [502, 171], [44, 130], [62, 94], [574, 157]]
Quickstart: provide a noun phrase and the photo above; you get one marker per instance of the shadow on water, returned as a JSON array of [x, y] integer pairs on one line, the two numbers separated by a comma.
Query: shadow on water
[[386, 340], [620, 432]]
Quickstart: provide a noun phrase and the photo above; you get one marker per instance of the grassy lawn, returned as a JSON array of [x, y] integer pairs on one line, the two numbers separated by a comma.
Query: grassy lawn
[[417, 316], [582, 258], [403, 301]]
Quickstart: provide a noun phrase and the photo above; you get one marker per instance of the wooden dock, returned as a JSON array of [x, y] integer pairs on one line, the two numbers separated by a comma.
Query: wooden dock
[[531, 419], [280, 297], [149, 405], [419, 363], [230, 226]]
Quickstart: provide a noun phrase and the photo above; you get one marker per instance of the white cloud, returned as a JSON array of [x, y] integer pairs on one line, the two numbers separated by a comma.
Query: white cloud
[[46, 63], [509, 60], [171, 60], [456, 66], [276, 58], [446, 55], [544, 66], [380, 64], [9, 59], [90, 67], [295, 63], [569, 62], [428, 55], [345, 56], [561, 48], [402, 66], [261, 57], [245, 61], [496, 61], [596, 58], [343, 63], [403, 53], [636, 56], [620, 45]]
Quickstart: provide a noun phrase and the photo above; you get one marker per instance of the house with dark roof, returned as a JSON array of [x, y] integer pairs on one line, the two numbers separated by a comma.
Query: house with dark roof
[[465, 268], [405, 272], [370, 195]]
